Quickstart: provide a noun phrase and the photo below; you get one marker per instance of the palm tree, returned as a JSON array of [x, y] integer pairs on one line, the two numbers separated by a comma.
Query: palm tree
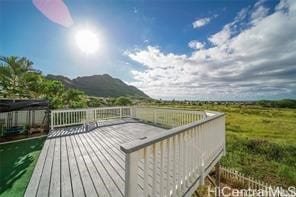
[[12, 71]]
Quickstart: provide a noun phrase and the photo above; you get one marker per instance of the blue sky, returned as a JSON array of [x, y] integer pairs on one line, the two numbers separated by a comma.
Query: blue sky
[[169, 49]]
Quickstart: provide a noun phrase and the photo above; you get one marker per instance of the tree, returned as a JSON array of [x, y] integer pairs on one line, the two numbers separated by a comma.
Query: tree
[[95, 102], [73, 98], [12, 71], [18, 79], [33, 85], [53, 92], [123, 101]]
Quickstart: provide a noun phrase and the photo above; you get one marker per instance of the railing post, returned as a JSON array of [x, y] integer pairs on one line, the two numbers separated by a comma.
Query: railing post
[[217, 174], [51, 120], [133, 112], [120, 112], [131, 174], [130, 112], [223, 129], [202, 169], [85, 118]]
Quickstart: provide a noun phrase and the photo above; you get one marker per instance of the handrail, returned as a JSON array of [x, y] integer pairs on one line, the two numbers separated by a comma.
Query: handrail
[[89, 108], [139, 144], [180, 157], [171, 109]]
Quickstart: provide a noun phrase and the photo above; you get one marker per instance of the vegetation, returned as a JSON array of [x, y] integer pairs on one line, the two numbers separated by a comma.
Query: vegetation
[[122, 101], [101, 102], [17, 164], [19, 80], [261, 141], [285, 103]]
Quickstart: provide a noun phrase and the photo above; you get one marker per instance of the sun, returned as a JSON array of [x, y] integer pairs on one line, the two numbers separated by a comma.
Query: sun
[[87, 41]]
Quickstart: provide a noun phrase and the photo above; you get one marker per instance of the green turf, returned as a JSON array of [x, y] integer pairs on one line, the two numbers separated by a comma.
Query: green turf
[[17, 161], [261, 142]]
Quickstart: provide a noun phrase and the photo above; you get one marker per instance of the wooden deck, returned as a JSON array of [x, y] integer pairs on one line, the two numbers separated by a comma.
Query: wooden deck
[[75, 162]]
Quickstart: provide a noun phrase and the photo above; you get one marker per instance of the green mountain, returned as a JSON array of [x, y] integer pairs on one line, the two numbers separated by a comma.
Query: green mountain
[[100, 85]]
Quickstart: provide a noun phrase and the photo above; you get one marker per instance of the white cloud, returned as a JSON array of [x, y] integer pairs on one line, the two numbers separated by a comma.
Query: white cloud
[[194, 44], [201, 22], [222, 36], [257, 60], [259, 13]]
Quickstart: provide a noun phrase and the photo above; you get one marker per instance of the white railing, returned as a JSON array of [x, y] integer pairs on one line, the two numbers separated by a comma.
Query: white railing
[[175, 162], [166, 117], [69, 117]]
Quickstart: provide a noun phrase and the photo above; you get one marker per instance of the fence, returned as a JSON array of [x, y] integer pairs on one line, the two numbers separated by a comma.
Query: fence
[[23, 118], [250, 183]]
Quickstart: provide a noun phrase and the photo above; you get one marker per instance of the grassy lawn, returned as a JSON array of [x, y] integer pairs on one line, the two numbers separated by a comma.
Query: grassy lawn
[[16, 166], [261, 142]]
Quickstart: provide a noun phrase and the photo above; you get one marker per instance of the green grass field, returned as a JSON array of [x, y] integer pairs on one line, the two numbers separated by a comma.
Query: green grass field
[[17, 161], [261, 142]]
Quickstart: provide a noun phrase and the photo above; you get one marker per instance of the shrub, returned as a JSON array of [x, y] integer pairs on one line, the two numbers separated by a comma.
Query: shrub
[[123, 101]]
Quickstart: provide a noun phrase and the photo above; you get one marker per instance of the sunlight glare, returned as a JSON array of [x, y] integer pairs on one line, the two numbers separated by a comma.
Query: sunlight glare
[[87, 41]]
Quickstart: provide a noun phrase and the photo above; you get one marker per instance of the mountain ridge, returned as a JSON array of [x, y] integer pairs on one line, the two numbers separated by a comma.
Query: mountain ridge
[[99, 85]]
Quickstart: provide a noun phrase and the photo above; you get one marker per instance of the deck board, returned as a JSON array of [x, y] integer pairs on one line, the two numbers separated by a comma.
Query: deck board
[[35, 179], [83, 167], [44, 184], [77, 187], [77, 162], [66, 185], [103, 179], [56, 169]]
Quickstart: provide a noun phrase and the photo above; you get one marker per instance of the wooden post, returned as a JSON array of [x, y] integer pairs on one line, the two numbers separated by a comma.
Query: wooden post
[[131, 174], [51, 120], [217, 171], [201, 169]]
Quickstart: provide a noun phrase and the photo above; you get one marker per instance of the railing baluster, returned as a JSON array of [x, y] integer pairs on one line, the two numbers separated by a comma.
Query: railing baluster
[[183, 162], [154, 170], [186, 158], [179, 165], [174, 166], [168, 168], [161, 168], [146, 163]]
